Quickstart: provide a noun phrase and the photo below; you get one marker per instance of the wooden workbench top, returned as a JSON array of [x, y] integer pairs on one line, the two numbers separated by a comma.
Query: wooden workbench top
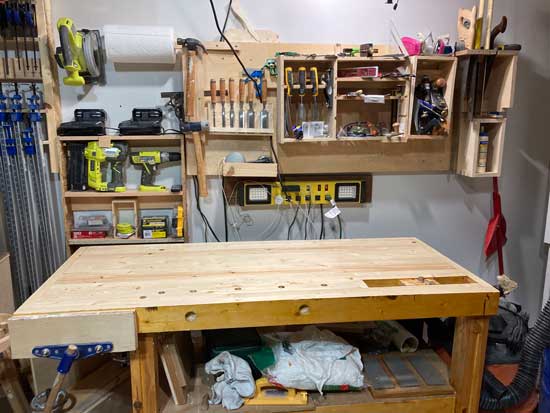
[[201, 286]]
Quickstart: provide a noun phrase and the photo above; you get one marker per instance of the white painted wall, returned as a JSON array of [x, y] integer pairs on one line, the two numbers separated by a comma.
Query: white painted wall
[[449, 212]]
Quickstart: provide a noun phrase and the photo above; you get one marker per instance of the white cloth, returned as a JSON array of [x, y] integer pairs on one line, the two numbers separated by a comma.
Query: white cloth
[[233, 384], [313, 358]]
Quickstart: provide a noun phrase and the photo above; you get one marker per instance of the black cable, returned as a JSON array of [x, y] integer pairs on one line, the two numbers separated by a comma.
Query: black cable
[[226, 18], [258, 91], [224, 210], [339, 225], [195, 187], [307, 219], [322, 234], [292, 223], [204, 218]]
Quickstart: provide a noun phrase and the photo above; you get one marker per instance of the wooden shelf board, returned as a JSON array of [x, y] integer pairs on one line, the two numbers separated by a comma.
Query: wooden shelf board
[[250, 169], [341, 139], [120, 241], [126, 194], [372, 59], [489, 120], [241, 131], [21, 80], [492, 52], [359, 99], [167, 137], [358, 79], [427, 137]]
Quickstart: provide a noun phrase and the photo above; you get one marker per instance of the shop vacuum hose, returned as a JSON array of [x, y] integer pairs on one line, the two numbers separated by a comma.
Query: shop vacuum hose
[[503, 397]]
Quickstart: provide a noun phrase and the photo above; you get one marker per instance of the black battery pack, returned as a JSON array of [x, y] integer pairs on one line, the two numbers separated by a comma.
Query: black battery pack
[[143, 122], [87, 122]]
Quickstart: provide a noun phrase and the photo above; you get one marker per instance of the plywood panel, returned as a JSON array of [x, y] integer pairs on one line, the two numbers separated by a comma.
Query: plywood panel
[[27, 332]]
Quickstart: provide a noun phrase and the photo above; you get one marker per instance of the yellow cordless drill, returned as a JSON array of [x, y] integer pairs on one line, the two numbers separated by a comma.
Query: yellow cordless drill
[[148, 162], [106, 166]]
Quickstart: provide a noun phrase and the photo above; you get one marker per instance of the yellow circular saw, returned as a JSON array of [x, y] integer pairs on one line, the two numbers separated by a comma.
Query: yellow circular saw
[[81, 54]]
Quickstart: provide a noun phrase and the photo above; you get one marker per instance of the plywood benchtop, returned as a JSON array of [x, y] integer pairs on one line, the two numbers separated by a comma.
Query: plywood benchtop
[[113, 293]]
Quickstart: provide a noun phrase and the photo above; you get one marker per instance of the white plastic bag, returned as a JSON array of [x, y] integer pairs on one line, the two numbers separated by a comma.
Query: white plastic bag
[[313, 358]]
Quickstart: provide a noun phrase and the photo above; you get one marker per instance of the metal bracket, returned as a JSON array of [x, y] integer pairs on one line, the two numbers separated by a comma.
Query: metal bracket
[[85, 351]]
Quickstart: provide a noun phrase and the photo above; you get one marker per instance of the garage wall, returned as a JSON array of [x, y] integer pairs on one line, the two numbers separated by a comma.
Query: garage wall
[[447, 211]]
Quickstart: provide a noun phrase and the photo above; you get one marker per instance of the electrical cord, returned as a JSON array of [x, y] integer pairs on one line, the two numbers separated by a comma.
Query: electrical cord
[[226, 18], [292, 223], [307, 220], [339, 225], [322, 234], [204, 218], [258, 91], [224, 210]]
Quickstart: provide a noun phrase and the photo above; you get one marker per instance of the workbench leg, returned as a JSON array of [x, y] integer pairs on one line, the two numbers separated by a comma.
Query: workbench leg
[[468, 361], [9, 382], [144, 375]]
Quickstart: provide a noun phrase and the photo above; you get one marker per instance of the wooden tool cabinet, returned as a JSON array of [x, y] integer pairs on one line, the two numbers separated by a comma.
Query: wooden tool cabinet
[[91, 200], [133, 295]]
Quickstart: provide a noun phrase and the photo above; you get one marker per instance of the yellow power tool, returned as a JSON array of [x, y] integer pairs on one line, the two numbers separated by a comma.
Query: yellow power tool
[[81, 54], [106, 166], [148, 162]]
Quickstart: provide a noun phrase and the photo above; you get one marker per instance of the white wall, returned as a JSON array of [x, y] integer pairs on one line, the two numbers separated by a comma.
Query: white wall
[[447, 211]]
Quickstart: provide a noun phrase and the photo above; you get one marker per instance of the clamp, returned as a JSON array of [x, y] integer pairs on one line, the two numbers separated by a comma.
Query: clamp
[[67, 354]]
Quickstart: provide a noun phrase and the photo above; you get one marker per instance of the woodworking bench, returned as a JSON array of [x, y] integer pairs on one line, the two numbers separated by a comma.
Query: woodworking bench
[[132, 295]]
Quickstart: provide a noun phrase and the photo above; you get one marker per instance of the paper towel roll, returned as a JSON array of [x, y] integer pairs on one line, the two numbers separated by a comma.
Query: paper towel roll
[[139, 44]]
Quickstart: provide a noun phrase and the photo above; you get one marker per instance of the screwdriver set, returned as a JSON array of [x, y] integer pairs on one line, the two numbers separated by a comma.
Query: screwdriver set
[[236, 106], [303, 115]]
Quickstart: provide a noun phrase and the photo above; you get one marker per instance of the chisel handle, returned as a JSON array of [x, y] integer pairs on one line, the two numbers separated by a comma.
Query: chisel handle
[[213, 91], [250, 92], [302, 81], [242, 96], [222, 90], [314, 79], [264, 89], [289, 80], [231, 90]]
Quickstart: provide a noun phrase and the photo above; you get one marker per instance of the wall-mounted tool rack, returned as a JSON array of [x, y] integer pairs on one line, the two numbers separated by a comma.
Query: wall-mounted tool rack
[[483, 108], [331, 153]]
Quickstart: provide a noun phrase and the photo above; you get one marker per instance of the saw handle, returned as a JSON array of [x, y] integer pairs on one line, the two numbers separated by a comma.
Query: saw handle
[[222, 90], [231, 90], [213, 91]]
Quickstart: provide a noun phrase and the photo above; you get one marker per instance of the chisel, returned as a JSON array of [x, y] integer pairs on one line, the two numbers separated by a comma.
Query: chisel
[[213, 93], [232, 102], [314, 79], [241, 103], [222, 100], [264, 118], [251, 114], [289, 82], [301, 92]]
